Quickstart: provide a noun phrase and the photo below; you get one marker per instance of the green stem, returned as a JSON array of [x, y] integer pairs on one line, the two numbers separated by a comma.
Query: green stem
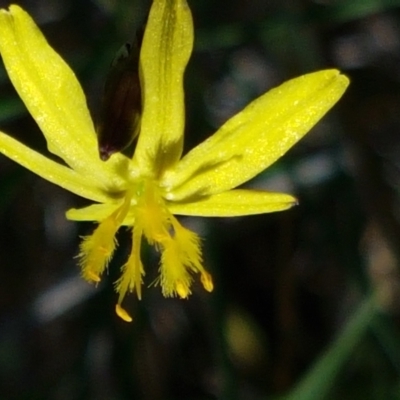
[[322, 376]]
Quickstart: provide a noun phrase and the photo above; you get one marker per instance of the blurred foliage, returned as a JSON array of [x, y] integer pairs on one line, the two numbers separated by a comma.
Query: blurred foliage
[[306, 304]]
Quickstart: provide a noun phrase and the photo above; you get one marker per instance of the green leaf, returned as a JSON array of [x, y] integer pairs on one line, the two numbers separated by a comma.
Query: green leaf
[[322, 376]]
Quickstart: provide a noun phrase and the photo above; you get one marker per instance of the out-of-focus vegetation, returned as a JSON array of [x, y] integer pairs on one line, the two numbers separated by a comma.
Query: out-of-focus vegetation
[[306, 302]]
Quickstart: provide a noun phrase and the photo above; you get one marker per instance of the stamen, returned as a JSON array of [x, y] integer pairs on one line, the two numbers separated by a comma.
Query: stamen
[[152, 215], [181, 254], [182, 290], [97, 249], [174, 276], [132, 271], [189, 243]]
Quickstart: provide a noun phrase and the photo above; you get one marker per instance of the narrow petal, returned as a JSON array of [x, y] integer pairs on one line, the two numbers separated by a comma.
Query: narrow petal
[[235, 203], [166, 47], [256, 137], [94, 212], [51, 170], [98, 212], [50, 91]]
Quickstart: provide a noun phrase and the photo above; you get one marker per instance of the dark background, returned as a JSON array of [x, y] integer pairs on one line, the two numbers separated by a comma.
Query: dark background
[[285, 284]]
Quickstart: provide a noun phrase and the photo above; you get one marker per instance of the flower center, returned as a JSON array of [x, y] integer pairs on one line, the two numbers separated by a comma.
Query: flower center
[[179, 247]]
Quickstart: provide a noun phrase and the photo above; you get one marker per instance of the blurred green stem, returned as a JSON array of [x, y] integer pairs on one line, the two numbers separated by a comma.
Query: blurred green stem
[[322, 376]]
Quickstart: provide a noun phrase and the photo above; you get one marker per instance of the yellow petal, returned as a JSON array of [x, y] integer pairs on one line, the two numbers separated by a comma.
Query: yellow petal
[[94, 212], [235, 203], [50, 91], [50, 170], [257, 136], [166, 48], [98, 212]]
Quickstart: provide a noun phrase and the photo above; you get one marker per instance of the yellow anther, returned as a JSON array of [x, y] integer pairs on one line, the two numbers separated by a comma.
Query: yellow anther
[[207, 282], [182, 290], [122, 313]]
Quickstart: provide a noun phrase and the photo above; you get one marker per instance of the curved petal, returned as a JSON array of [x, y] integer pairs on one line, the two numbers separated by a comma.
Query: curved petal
[[50, 91], [98, 213], [235, 203], [166, 48], [51, 170], [256, 137]]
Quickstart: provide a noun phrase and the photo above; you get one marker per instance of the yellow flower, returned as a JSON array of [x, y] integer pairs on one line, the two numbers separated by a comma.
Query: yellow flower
[[145, 192]]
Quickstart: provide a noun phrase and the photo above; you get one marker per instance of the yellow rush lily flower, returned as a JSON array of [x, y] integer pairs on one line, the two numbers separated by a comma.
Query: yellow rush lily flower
[[145, 192]]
